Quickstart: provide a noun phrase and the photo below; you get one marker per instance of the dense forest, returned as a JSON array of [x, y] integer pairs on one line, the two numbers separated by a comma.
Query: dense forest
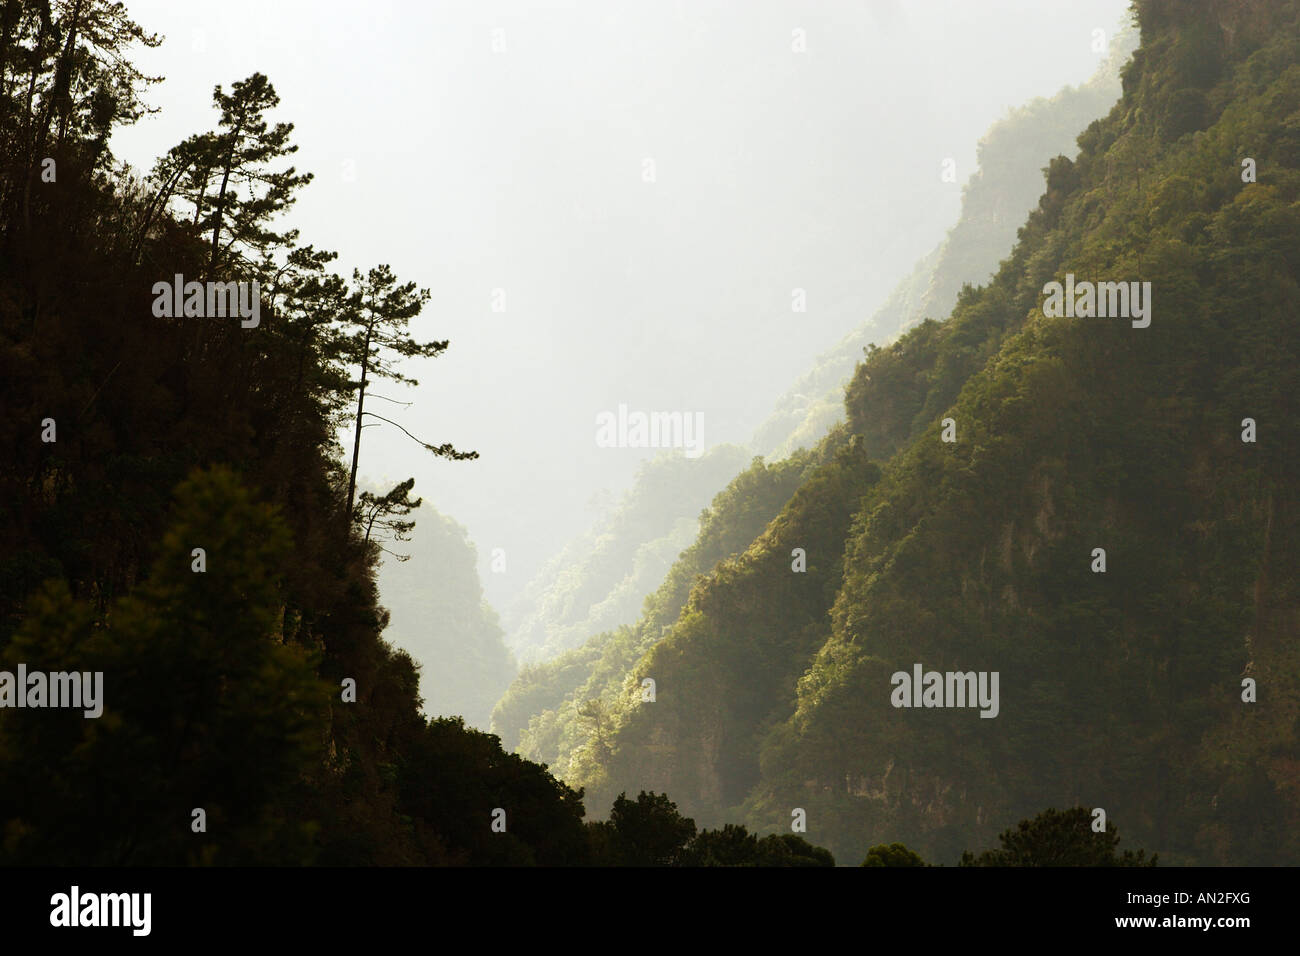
[[589, 599], [541, 711], [181, 517], [554, 707], [1102, 513]]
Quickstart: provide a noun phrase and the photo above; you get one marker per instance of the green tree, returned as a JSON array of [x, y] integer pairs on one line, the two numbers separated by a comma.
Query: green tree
[[77, 71], [596, 723], [1058, 838], [198, 686], [649, 831], [453, 779], [733, 845], [249, 193], [384, 514], [892, 854], [382, 312], [790, 849], [229, 180]]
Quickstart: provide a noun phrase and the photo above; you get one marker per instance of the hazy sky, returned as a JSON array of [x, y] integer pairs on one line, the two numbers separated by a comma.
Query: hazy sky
[[479, 146]]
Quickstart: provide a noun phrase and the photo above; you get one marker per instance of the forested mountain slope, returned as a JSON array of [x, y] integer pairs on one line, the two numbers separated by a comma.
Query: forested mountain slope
[[175, 511], [555, 706], [1120, 688], [995, 200], [599, 579], [438, 615]]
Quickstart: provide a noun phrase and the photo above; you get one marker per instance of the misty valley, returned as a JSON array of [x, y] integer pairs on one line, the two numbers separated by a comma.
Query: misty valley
[[733, 435]]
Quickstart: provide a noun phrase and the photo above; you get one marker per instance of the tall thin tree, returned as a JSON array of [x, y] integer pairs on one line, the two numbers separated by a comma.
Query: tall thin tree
[[383, 310]]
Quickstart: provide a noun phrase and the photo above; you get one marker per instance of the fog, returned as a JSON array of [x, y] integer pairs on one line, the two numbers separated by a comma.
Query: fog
[[613, 203]]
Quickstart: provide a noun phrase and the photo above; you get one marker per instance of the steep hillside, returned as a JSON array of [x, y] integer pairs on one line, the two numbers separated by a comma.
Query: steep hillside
[[599, 579], [439, 617], [995, 200], [178, 539], [552, 707], [1121, 685]]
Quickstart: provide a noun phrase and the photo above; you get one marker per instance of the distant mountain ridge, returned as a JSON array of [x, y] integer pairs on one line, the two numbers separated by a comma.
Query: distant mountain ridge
[[1090, 510], [995, 200], [594, 625], [599, 579], [438, 615]]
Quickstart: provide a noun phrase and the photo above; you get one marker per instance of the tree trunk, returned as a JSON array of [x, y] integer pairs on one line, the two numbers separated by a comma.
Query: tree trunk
[[219, 212], [9, 17], [61, 87], [356, 441], [63, 84]]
